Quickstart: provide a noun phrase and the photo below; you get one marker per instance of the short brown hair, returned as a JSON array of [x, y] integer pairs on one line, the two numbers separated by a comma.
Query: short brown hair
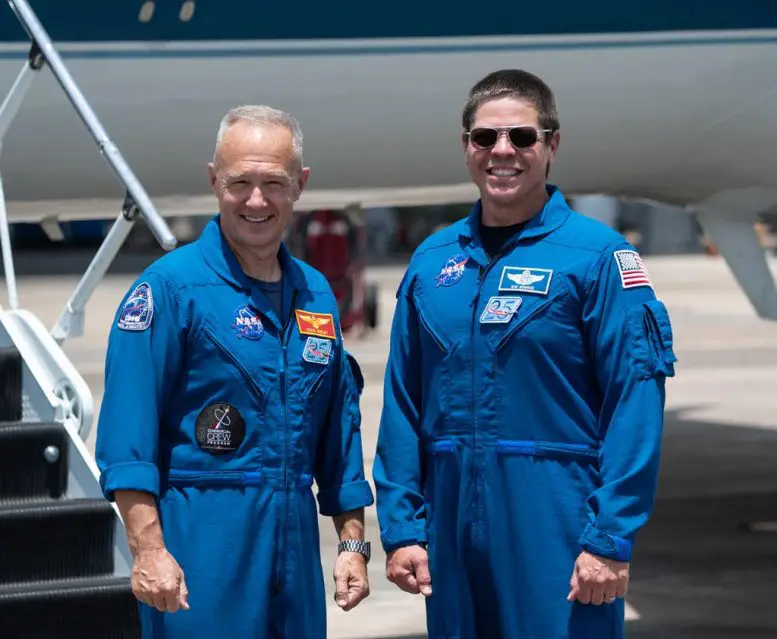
[[517, 84]]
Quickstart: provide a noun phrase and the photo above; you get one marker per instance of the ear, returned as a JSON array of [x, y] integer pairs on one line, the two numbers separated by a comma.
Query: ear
[[555, 140], [302, 180], [464, 141], [212, 175]]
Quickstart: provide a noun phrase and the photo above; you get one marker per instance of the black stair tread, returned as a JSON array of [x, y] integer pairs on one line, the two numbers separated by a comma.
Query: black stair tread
[[107, 584], [52, 507], [54, 425]]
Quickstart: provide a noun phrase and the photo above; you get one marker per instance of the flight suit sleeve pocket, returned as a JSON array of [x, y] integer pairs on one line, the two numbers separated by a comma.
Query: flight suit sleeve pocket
[[355, 387], [652, 342]]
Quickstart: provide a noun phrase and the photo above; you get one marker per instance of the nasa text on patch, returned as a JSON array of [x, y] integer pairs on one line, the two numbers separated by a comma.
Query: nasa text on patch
[[316, 324], [525, 279], [500, 310], [452, 271], [138, 310], [317, 350], [247, 323], [632, 269], [220, 428]]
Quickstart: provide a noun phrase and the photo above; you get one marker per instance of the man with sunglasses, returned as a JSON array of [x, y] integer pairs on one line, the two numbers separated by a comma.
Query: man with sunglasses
[[520, 437]]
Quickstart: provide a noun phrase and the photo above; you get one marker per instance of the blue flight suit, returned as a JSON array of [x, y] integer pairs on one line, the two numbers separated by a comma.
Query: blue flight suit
[[228, 416], [522, 421]]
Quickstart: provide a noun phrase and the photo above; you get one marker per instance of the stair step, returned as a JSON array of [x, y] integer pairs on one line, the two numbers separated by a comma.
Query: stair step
[[56, 540], [33, 461], [91, 608]]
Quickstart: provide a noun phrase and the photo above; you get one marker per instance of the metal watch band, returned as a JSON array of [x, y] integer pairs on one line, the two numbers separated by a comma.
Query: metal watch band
[[355, 545]]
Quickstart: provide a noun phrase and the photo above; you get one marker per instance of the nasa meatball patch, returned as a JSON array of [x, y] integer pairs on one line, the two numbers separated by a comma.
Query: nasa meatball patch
[[220, 428], [138, 310]]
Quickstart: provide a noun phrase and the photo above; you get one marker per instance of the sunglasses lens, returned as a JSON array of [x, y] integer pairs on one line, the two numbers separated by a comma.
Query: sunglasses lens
[[523, 137], [483, 138]]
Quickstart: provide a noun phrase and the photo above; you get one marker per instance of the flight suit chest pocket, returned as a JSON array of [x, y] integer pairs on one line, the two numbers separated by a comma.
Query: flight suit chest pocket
[[315, 368], [651, 340], [434, 336], [531, 317]]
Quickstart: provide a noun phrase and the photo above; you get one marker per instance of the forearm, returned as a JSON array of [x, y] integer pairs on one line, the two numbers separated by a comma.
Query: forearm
[[350, 525], [141, 520]]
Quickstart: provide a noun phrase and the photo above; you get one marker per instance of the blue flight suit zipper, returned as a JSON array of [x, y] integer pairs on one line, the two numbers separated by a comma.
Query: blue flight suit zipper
[[285, 331]]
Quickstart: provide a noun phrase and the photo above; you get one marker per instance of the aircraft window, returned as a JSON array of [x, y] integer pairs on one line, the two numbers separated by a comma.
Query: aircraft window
[[147, 11], [187, 10]]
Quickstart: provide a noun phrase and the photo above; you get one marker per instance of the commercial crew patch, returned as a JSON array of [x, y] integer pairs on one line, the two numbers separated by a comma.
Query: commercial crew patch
[[138, 310], [220, 428]]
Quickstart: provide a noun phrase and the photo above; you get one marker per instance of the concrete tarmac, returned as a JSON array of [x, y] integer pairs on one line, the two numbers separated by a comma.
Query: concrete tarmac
[[699, 571]]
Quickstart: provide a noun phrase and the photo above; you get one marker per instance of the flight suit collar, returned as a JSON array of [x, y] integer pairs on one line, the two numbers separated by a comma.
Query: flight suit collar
[[221, 259], [551, 216]]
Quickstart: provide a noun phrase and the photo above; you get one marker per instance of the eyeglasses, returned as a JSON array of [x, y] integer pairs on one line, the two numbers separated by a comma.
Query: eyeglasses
[[521, 137]]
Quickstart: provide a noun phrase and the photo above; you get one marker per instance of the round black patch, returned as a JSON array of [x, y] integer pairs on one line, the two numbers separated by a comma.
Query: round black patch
[[220, 428]]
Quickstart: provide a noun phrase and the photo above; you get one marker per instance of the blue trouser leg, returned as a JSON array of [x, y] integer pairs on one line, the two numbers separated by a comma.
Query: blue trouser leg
[[226, 540]]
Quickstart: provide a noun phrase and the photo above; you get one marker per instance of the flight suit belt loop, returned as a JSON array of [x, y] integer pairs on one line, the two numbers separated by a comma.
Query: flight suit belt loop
[[179, 477], [581, 452]]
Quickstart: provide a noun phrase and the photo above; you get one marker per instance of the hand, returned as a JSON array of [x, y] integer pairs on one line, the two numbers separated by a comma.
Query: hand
[[408, 568], [598, 580], [351, 583], [158, 581]]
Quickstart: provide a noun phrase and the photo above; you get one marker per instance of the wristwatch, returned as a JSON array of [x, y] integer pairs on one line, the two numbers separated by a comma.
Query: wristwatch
[[355, 545]]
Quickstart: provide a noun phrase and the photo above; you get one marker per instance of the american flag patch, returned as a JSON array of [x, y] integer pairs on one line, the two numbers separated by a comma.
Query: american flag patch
[[632, 269]]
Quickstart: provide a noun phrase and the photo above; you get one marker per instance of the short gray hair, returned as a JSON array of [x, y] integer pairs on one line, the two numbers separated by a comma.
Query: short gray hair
[[261, 115]]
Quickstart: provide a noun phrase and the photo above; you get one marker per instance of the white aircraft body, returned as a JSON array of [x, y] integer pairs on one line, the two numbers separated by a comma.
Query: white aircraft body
[[668, 101]]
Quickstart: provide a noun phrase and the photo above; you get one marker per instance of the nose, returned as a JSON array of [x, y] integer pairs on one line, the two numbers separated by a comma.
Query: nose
[[503, 146], [256, 198]]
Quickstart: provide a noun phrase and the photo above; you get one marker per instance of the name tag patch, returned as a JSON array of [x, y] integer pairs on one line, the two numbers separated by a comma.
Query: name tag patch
[[525, 280], [500, 310], [317, 350], [220, 428], [138, 310], [315, 324]]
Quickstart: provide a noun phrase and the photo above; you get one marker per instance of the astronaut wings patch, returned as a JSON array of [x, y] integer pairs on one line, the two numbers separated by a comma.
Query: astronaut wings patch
[[632, 269], [138, 310]]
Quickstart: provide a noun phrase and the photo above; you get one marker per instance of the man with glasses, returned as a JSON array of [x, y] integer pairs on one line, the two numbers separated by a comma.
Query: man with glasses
[[519, 443]]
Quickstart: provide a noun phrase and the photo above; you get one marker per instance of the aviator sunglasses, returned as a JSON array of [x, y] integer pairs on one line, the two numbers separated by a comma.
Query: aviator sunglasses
[[521, 137]]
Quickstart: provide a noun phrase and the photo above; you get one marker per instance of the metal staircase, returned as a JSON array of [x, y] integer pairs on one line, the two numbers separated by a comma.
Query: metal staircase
[[64, 560]]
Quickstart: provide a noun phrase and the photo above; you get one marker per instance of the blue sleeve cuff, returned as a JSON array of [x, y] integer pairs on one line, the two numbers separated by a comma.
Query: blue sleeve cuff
[[140, 476], [341, 499], [400, 536], [608, 546]]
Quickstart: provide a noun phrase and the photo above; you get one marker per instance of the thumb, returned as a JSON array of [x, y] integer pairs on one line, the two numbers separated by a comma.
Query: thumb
[[423, 578], [575, 589], [183, 594], [341, 590]]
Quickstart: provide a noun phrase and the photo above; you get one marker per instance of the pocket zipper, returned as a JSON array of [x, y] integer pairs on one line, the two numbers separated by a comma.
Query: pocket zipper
[[521, 323], [235, 361]]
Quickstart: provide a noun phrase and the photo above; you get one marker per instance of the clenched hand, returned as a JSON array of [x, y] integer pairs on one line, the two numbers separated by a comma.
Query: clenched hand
[[408, 568], [158, 580], [351, 583], [597, 580]]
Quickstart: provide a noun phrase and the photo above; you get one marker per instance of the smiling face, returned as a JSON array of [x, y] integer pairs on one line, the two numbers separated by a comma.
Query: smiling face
[[256, 176], [511, 180]]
